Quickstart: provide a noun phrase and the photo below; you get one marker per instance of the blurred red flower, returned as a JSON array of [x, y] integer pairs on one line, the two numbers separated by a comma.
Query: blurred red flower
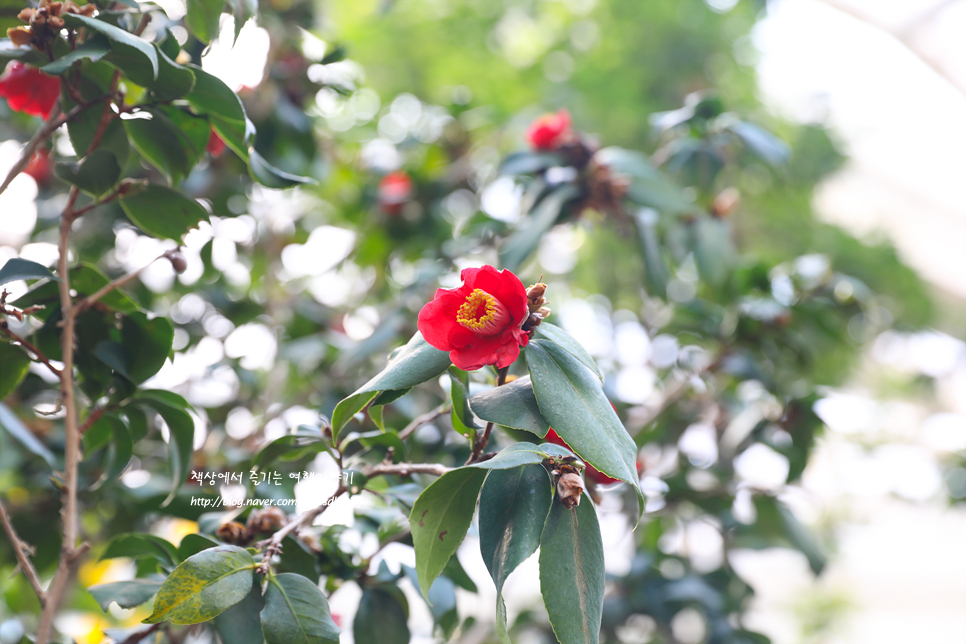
[[29, 90], [215, 144], [480, 322], [39, 167], [549, 131], [395, 189]]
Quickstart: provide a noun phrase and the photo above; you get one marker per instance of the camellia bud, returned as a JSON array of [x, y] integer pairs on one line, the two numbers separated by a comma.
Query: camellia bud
[[395, 189], [234, 533], [569, 488], [266, 520]]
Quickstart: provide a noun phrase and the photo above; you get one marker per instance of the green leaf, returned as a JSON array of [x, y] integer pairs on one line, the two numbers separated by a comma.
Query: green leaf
[[655, 268], [440, 518], [140, 544], [381, 618], [147, 343], [462, 418], [649, 187], [572, 572], [202, 18], [211, 96], [23, 269], [172, 140], [515, 455], [528, 162], [120, 451], [776, 525], [15, 427], [714, 252], [92, 49], [542, 217], [203, 586], [82, 127], [765, 145], [297, 558], [236, 135], [572, 400], [296, 612], [172, 408], [15, 365], [566, 342], [127, 594], [163, 212], [96, 173], [268, 175], [302, 441], [8, 52], [241, 623], [192, 544], [415, 363], [513, 509], [173, 81], [243, 10], [135, 57]]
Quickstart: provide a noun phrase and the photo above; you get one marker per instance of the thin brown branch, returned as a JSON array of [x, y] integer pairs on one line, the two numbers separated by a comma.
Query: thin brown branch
[[91, 206], [113, 285], [485, 438], [26, 344], [419, 421], [134, 638], [92, 417], [20, 549]]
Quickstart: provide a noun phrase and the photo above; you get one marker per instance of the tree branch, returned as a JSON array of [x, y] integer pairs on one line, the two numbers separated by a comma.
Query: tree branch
[[5, 328], [88, 301], [419, 421], [20, 550], [485, 438]]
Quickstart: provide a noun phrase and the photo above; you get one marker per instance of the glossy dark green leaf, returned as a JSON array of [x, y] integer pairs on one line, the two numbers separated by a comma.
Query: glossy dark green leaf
[[297, 558], [82, 128], [518, 248], [237, 135], [572, 572], [172, 140], [283, 445], [23, 269], [140, 544], [515, 455], [147, 343], [567, 342], [8, 52], [92, 49], [528, 162], [202, 18], [173, 81], [241, 623], [127, 594], [135, 57], [381, 618], [460, 413], [573, 402], [765, 145], [120, 451], [649, 187], [192, 544], [211, 96], [655, 268], [268, 175], [203, 586], [163, 212], [454, 570], [15, 427], [95, 174], [296, 612], [440, 518], [243, 10], [513, 508], [15, 363], [415, 363]]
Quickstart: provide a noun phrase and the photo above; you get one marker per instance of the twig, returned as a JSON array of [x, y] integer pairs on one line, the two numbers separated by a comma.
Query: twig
[[419, 421], [55, 121], [89, 301], [485, 438], [28, 346], [92, 417], [134, 638], [20, 550]]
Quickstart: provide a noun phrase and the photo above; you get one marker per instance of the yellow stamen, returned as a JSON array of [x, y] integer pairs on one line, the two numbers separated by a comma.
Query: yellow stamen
[[483, 313]]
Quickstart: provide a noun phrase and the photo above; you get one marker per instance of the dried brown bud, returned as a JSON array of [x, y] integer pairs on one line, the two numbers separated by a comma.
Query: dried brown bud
[[88, 9], [178, 261], [569, 488], [39, 19], [54, 8], [535, 296], [234, 533], [266, 520], [56, 22], [26, 14], [20, 36]]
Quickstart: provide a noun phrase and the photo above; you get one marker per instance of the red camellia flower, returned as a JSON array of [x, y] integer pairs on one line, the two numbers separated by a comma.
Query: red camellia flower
[[549, 131], [29, 90], [39, 167], [215, 144], [395, 189], [480, 322]]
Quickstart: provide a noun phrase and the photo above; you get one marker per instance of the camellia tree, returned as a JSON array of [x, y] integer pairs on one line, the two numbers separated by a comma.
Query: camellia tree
[[129, 138]]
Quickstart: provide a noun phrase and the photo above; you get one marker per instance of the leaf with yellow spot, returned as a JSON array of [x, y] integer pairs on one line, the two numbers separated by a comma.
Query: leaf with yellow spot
[[203, 586]]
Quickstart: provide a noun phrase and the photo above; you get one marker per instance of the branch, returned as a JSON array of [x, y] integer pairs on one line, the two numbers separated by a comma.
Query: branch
[[485, 438], [134, 638], [89, 301], [5, 327], [419, 421], [20, 550]]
